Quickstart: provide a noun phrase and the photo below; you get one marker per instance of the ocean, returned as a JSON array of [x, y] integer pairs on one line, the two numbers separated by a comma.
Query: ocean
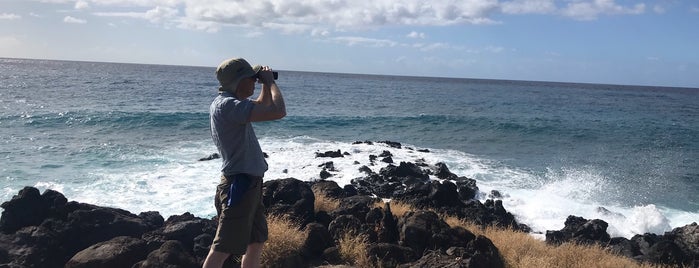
[[130, 136]]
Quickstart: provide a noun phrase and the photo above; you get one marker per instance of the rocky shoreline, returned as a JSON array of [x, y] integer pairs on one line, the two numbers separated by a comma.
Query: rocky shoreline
[[46, 230]]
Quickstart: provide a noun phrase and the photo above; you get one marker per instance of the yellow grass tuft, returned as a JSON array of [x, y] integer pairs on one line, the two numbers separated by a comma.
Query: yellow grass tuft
[[324, 203], [353, 250], [285, 240]]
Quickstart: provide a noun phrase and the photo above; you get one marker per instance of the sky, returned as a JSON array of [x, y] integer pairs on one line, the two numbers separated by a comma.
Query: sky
[[628, 42]]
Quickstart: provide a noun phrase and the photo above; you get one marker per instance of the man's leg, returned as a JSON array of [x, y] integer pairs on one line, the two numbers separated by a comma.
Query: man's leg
[[215, 259], [253, 256]]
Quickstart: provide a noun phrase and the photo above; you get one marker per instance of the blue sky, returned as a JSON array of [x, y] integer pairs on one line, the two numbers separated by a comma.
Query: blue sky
[[632, 42]]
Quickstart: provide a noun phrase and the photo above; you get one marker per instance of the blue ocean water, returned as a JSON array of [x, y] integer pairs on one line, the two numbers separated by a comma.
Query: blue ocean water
[[129, 136]]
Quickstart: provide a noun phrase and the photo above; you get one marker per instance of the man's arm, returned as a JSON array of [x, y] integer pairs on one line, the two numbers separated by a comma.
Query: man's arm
[[270, 104]]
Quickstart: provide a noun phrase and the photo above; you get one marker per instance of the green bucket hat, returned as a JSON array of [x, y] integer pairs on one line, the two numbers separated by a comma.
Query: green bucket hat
[[231, 71]]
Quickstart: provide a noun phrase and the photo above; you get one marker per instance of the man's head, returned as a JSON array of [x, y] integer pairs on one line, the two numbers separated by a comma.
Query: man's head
[[231, 71]]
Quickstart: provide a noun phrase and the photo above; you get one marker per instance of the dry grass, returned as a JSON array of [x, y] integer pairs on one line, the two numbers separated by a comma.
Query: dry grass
[[285, 240], [324, 203], [353, 250], [522, 250]]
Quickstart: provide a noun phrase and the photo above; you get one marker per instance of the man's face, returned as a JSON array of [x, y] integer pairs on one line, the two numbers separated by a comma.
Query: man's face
[[246, 88]]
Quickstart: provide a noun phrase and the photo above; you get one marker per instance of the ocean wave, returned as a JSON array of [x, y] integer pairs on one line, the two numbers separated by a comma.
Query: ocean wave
[[112, 120]]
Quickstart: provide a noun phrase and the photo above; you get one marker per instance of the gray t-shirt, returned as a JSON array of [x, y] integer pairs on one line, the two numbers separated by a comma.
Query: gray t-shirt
[[234, 137]]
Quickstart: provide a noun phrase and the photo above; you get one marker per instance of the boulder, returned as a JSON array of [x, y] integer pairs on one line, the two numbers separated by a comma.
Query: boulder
[[328, 188], [580, 230], [121, 251], [390, 255], [289, 197], [170, 254], [318, 239], [425, 230]]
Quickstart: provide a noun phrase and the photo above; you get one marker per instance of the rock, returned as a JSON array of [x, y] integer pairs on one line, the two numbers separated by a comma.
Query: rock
[[328, 188], [358, 206], [332, 154], [391, 144], [467, 188], [210, 157], [25, 209], [442, 172], [404, 169], [624, 247], [436, 259], [328, 166], [324, 174], [580, 230], [387, 160], [489, 213], [344, 224], [332, 255], [687, 238], [170, 254], [390, 255], [481, 252], [289, 196], [424, 230], [388, 226], [666, 252], [184, 231], [152, 219], [122, 251], [318, 239]]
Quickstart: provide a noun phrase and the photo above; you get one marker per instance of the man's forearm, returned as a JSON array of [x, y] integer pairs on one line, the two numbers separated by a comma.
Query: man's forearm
[[277, 98]]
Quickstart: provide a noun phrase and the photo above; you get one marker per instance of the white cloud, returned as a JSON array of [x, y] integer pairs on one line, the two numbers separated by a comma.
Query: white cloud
[[9, 16], [69, 19], [81, 5], [343, 14], [363, 41], [528, 7], [590, 10], [158, 14], [322, 17], [415, 34]]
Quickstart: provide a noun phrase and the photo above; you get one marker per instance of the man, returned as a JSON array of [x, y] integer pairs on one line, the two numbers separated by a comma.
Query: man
[[242, 227]]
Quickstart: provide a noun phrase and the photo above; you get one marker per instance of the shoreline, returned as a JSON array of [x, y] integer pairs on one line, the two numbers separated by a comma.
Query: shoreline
[[40, 230]]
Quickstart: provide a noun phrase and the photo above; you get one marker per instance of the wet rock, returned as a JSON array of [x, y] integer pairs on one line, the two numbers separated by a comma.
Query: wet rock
[[580, 230], [210, 157], [332, 154]]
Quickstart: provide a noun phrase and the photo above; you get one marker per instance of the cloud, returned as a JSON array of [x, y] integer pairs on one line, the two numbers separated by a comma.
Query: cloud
[[415, 34], [364, 41], [158, 14], [344, 14], [322, 17], [9, 16], [81, 5], [69, 19], [590, 10], [528, 7]]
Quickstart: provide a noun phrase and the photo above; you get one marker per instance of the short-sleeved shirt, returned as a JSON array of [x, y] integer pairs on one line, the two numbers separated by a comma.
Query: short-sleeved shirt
[[234, 137]]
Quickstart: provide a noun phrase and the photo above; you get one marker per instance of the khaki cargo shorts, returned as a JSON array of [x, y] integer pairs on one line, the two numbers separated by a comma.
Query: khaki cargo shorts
[[241, 214]]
